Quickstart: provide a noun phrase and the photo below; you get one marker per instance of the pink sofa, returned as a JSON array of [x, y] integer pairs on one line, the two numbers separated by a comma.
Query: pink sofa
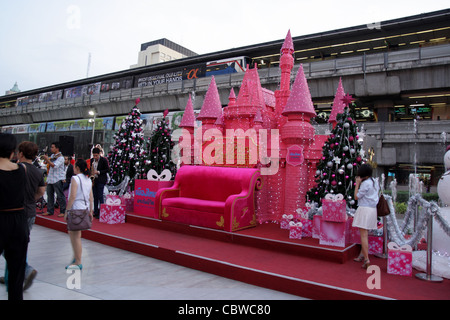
[[213, 197]]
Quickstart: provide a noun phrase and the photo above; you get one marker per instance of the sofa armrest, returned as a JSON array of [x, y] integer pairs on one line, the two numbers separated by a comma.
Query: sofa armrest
[[163, 194]]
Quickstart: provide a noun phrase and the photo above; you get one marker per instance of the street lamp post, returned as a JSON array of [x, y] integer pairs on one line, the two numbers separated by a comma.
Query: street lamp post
[[92, 120]]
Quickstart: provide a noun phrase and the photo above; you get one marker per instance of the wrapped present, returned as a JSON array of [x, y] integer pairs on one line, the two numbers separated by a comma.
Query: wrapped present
[[112, 212], [399, 259], [307, 228], [285, 219], [128, 201], [334, 208], [333, 233], [295, 230], [375, 244], [353, 235], [315, 228]]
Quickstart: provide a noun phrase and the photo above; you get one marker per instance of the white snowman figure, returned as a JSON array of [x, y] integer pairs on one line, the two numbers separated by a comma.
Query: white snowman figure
[[441, 242], [444, 182]]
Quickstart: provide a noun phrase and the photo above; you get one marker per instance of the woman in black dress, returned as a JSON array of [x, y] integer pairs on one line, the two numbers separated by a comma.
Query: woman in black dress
[[14, 234]]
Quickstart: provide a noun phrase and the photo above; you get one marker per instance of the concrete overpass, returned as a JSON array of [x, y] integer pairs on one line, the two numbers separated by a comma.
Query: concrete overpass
[[378, 81]]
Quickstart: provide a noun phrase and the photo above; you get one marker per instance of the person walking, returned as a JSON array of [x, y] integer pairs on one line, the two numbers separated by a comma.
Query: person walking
[[366, 192], [35, 189], [99, 171], [14, 234], [80, 196], [56, 176]]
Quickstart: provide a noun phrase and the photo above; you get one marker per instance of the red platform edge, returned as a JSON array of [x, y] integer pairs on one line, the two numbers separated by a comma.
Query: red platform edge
[[297, 267]]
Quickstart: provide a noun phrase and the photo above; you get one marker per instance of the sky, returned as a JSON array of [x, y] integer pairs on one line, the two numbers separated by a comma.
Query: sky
[[44, 42]]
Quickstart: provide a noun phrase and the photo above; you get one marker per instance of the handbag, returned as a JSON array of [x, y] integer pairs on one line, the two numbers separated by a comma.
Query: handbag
[[382, 207], [79, 219]]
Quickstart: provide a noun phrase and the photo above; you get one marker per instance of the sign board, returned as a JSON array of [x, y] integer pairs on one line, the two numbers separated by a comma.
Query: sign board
[[145, 194], [295, 156]]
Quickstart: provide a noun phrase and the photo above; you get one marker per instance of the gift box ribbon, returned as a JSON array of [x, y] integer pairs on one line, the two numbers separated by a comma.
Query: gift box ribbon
[[334, 197], [394, 246], [113, 202], [288, 216], [295, 224]]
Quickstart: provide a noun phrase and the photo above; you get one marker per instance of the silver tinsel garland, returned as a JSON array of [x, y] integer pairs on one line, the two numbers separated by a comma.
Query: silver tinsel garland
[[428, 209]]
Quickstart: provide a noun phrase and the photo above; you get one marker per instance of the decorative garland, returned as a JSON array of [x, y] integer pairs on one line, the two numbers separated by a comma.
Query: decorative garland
[[429, 209]]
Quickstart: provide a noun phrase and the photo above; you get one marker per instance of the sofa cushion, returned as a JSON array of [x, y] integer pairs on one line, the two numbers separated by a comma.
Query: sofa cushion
[[212, 183], [195, 204]]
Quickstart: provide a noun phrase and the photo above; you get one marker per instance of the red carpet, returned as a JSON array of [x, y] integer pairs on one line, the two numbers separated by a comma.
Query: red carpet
[[262, 256]]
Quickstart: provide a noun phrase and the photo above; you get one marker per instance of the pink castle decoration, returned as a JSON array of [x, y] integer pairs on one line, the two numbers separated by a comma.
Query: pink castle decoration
[[287, 109]]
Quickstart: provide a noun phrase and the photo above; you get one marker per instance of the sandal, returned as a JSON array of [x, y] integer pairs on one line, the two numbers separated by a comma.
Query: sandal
[[360, 258], [74, 266], [366, 264]]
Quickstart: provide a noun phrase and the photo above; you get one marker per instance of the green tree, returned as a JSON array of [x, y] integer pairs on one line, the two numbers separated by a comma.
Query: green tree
[[341, 158], [160, 148], [128, 149]]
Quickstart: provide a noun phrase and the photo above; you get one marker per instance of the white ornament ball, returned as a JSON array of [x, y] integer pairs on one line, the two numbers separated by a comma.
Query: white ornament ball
[[350, 166], [443, 188], [346, 125]]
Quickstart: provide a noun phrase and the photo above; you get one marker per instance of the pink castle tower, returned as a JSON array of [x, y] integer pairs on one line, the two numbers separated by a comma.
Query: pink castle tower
[[276, 182], [286, 66], [338, 104], [297, 134], [188, 123], [256, 108]]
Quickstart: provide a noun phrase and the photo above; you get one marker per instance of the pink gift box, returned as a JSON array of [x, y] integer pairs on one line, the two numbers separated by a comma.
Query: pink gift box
[[332, 233], [315, 228], [399, 259], [112, 212], [295, 230], [353, 235], [285, 219], [307, 228], [334, 210], [375, 244]]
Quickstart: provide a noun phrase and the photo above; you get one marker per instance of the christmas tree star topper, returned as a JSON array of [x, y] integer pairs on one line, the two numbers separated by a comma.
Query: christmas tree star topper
[[348, 99]]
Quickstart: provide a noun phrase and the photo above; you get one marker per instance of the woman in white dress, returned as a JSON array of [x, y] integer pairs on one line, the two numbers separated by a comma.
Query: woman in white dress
[[79, 198], [366, 192]]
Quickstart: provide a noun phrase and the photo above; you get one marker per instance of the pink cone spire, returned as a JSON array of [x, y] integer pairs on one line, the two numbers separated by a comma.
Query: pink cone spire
[[288, 45], [338, 104], [300, 98], [232, 98], [188, 120], [211, 108]]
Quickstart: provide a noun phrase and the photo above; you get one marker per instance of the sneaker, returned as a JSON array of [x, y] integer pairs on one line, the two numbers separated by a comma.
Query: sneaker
[[29, 280]]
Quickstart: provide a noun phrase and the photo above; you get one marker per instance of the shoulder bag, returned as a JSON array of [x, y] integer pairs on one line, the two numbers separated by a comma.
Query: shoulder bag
[[382, 207], [77, 219]]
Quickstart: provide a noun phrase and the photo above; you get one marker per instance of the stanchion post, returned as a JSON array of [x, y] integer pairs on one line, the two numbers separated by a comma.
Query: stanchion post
[[428, 276], [384, 255]]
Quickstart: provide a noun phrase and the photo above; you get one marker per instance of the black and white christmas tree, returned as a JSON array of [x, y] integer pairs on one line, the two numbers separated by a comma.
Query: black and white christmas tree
[[127, 151], [159, 153], [341, 157]]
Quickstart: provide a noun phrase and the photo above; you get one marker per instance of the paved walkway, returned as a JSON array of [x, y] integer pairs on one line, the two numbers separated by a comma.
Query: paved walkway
[[114, 274]]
